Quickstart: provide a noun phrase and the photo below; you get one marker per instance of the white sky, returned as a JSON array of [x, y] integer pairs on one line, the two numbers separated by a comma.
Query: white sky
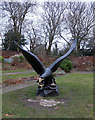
[[48, 0], [40, 9]]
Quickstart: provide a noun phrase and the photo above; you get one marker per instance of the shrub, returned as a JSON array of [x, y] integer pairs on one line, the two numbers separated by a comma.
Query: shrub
[[21, 58], [1, 59], [66, 65]]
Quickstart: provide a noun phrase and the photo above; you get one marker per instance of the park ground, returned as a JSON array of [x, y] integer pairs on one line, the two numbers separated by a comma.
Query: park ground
[[76, 92]]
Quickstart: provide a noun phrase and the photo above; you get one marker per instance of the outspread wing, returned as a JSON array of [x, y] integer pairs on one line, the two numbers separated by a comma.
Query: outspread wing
[[56, 64], [33, 60]]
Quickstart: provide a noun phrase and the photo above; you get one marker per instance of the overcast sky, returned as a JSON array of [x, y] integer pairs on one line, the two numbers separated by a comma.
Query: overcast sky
[[41, 1], [48, 0]]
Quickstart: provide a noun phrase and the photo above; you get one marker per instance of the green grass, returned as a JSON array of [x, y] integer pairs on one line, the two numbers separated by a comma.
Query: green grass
[[12, 71], [76, 88], [16, 76]]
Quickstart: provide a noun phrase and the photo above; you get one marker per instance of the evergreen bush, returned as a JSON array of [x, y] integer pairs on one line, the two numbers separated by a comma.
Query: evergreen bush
[[66, 65], [1, 59], [21, 58]]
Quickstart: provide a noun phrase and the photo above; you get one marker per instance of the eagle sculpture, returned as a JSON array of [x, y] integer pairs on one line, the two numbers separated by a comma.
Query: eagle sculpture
[[47, 85]]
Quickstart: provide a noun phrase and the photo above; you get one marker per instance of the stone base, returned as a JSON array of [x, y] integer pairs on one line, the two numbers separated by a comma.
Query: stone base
[[48, 91]]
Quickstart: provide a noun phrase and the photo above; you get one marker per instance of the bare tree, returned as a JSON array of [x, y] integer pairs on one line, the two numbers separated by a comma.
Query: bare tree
[[33, 33], [52, 19], [94, 26], [17, 12], [34, 38], [79, 22]]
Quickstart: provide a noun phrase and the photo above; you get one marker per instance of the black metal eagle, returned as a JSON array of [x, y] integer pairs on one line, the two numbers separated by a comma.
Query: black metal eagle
[[47, 85]]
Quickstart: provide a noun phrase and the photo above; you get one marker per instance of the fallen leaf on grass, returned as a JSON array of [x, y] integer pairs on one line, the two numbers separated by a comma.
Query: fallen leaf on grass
[[90, 105], [9, 115]]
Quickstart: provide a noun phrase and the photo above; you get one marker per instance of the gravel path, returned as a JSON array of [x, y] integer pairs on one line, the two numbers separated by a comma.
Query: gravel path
[[83, 72], [13, 73], [17, 72], [9, 88]]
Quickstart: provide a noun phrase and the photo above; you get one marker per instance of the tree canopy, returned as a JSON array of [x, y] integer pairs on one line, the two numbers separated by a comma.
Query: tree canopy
[[49, 24], [10, 37]]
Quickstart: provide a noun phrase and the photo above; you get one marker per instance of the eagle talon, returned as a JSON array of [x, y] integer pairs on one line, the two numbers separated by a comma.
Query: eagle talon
[[41, 86], [53, 84], [40, 82]]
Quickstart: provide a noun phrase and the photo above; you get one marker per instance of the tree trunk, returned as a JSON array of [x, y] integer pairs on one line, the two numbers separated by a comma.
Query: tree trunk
[[49, 50], [78, 50], [50, 44]]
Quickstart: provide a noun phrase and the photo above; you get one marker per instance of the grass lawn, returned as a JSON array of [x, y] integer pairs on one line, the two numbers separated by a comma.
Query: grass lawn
[[16, 76], [12, 71], [76, 89]]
